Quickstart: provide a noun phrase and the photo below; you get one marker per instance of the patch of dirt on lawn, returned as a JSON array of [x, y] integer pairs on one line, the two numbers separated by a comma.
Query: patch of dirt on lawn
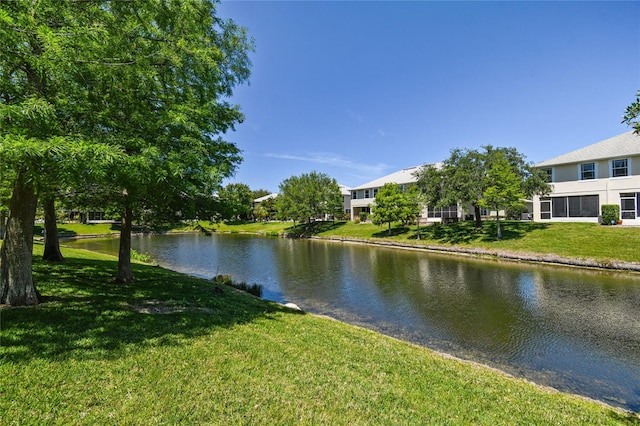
[[155, 307]]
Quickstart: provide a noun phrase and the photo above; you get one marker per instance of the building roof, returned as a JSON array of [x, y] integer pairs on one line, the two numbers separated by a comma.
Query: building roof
[[400, 177], [618, 146], [345, 190], [265, 198]]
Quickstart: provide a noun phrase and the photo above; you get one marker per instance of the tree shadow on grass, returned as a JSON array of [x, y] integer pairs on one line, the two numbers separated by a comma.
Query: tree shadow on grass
[[86, 315], [395, 231], [466, 232], [511, 230], [454, 233]]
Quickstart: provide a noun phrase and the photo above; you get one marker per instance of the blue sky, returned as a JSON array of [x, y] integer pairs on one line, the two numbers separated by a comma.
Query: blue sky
[[358, 90]]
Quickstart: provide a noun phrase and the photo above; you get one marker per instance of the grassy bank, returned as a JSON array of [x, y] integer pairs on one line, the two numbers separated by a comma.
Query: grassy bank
[[173, 349], [576, 240]]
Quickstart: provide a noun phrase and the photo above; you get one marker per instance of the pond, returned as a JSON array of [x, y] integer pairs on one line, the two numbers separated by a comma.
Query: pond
[[573, 329]]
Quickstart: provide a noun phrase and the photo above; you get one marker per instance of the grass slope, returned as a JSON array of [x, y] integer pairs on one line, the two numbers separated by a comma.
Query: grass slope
[[575, 240], [171, 349]]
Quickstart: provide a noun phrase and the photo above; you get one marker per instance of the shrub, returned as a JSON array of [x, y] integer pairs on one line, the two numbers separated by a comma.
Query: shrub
[[363, 216], [141, 257], [610, 214], [255, 289]]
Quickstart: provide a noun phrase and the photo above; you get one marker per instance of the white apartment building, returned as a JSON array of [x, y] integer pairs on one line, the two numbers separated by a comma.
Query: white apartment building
[[607, 172]]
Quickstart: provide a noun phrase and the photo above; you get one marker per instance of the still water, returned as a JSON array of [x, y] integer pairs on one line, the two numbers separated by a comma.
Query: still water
[[572, 329]]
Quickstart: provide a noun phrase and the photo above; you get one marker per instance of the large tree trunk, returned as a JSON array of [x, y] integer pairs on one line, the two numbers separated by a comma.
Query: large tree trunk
[[125, 274], [498, 223], [16, 278], [51, 241], [478, 217]]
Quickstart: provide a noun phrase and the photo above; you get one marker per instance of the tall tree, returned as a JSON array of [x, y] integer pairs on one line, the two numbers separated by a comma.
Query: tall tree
[[632, 114], [178, 63], [309, 196], [236, 201], [44, 46]]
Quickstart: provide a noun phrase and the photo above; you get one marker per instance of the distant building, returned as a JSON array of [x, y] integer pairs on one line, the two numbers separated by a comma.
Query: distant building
[[264, 198], [363, 196], [607, 172]]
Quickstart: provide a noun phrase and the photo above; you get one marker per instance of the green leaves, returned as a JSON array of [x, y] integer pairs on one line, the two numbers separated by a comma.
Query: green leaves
[[392, 204], [308, 197], [496, 178], [632, 114]]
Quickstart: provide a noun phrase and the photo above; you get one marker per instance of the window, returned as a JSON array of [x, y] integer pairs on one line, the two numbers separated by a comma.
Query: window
[[629, 203], [375, 192], [578, 206], [587, 171], [559, 207], [354, 195], [545, 208], [485, 211], [583, 206], [549, 173], [446, 212], [620, 168], [366, 193]]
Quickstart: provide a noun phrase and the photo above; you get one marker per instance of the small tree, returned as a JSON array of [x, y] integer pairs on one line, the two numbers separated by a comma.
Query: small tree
[[503, 188], [392, 204]]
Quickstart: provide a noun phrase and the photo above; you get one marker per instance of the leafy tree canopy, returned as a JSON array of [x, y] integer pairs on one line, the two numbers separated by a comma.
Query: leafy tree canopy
[[143, 84], [309, 196], [236, 201], [466, 175]]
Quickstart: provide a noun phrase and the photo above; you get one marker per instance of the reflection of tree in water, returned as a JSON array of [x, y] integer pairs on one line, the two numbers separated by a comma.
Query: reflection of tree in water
[[473, 305]]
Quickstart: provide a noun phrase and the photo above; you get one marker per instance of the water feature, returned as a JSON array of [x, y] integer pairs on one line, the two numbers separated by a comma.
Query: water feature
[[572, 329]]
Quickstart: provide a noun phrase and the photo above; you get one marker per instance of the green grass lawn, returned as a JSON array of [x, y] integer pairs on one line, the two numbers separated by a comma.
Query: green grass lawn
[[76, 229], [578, 240], [171, 349]]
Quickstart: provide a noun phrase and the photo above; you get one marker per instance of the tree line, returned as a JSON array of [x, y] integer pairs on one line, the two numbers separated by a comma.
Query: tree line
[[117, 103]]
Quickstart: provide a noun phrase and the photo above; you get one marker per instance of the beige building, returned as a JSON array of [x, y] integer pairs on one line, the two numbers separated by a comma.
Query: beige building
[[607, 172], [363, 196]]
